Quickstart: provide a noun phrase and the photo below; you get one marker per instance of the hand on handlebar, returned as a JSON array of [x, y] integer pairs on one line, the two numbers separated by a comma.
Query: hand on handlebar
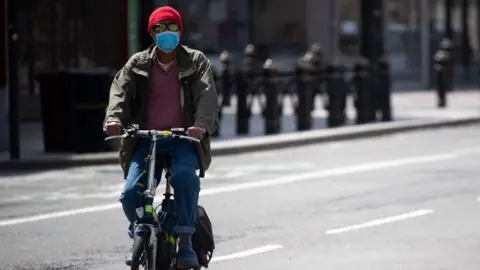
[[196, 132], [113, 128]]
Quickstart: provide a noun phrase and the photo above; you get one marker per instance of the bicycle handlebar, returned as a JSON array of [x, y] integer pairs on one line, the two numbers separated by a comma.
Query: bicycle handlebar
[[173, 133]]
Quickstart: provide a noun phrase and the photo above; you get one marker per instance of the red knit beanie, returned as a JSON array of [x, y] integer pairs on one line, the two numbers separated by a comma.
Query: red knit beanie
[[164, 14]]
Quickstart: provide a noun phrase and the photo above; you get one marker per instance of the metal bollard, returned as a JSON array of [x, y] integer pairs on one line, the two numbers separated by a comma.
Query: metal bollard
[[441, 71], [243, 81], [225, 83], [243, 109], [384, 85], [226, 77], [273, 99], [337, 96], [317, 63], [249, 55], [362, 99], [446, 45], [219, 102], [304, 80]]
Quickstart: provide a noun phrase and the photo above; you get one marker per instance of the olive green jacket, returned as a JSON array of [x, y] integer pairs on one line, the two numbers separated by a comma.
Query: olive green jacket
[[129, 93]]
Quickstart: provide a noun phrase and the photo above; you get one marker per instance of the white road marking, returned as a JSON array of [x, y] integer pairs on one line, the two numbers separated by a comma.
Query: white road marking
[[215, 258], [246, 253], [329, 173], [209, 175], [71, 193], [256, 168], [336, 145], [17, 199], [67, 213], [236, 173], [372, 166], [60, 175], [478, 199], [469, 151], [58, 196], [381, 221]]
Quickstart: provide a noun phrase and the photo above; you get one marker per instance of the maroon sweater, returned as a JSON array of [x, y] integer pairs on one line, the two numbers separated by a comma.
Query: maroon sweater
[[164, 105]]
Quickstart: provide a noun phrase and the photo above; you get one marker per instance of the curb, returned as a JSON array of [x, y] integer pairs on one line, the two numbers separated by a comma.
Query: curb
[[295, 139], [247, 145]]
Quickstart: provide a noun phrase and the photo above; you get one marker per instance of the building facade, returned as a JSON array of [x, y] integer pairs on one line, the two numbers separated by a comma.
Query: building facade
[[3, 80], [61, 35], [58, 35], [412, 28], [3, 58]]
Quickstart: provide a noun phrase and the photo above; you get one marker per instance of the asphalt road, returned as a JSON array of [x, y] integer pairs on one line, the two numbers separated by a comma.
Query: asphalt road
[[407, 201]]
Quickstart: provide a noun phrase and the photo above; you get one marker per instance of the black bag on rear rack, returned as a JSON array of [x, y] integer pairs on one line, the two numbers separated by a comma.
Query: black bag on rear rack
[[202, 240]]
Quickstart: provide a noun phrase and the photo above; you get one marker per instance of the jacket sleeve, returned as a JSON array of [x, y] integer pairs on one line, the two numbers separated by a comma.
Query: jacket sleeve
[[121, 93], [205, 96]]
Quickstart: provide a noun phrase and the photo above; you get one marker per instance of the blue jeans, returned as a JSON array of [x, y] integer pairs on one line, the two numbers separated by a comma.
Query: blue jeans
[[184, 180]]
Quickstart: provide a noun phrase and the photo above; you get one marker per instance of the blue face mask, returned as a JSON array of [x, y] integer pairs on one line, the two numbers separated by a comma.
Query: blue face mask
[[167, 41]]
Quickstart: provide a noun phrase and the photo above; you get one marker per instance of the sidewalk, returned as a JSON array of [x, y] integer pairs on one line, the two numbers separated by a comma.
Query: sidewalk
[[407, 106]]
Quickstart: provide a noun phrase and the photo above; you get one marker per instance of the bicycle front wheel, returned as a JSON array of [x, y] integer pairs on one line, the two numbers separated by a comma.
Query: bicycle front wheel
[[143, 257]]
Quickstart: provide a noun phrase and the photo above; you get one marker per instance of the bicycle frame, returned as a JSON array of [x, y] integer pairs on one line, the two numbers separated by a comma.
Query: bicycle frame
[[166, 208], [149, 193], [151, 185]]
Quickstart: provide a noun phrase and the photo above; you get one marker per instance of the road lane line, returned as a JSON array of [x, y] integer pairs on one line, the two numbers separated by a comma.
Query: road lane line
[[239, 255], [247, 253], [372, 166], [53, 215], [329, 173], [381, 221], [469, 151]]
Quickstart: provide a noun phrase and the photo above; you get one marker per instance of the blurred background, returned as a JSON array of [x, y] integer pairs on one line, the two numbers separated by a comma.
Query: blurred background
[[57, 35]]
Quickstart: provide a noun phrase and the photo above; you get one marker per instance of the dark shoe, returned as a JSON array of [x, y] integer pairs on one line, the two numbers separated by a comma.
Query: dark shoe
[[187, 258]]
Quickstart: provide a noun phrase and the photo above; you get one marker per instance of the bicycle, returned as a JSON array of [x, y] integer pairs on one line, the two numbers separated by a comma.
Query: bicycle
[[155, 243]]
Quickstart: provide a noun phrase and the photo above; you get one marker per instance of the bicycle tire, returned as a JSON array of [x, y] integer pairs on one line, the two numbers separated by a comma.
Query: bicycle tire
[[164, 259], [140, 244], [151, 259]]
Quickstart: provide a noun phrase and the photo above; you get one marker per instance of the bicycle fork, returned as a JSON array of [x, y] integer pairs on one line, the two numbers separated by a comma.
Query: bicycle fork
[[151, 185], [149, 194], [150, 189], [151, 231], [167, 221]]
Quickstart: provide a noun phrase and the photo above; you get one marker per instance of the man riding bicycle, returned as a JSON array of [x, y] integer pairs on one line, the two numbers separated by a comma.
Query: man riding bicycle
[[166, 86]]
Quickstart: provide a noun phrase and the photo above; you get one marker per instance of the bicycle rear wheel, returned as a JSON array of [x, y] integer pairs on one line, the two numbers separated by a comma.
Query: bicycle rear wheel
[[142, 255]]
